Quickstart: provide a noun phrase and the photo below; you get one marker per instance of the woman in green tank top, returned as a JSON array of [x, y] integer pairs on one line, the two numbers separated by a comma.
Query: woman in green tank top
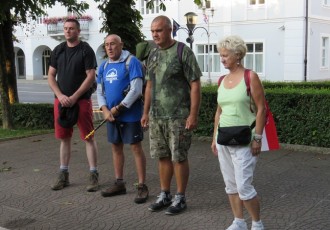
[[238, 107]]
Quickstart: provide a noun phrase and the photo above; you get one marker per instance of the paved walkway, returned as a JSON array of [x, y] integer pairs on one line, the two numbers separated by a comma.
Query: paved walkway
[[294, 188]]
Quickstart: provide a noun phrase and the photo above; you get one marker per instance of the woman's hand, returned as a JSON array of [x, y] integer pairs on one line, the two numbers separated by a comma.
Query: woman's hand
[[214, 148], [255, 147]]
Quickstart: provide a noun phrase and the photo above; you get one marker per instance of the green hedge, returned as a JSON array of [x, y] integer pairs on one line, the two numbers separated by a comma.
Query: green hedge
[[301, 112], [302, 116], [34, 116]]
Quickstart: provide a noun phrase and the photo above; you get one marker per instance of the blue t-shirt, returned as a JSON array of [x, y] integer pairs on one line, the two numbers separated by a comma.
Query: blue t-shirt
[[116, 79]]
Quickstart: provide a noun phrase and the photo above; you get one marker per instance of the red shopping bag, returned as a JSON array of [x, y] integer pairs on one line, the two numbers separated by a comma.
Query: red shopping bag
[[270, 138]]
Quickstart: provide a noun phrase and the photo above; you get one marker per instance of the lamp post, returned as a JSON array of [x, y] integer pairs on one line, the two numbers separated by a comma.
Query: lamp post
[[208, 42], [191, 19]]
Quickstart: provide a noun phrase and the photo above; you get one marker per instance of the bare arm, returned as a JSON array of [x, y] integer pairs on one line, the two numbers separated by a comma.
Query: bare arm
[[63, 99], [258, 96], [215, 129], [147, 104], [195, 99], [84, 87]]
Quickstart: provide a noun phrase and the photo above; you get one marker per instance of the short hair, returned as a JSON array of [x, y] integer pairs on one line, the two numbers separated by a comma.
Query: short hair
[[116, 36], [165, 19], [233, 43], [74, 21]]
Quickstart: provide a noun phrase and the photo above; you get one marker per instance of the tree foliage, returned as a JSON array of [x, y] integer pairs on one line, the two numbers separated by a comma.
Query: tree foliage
[[21, 9], [125, 22]]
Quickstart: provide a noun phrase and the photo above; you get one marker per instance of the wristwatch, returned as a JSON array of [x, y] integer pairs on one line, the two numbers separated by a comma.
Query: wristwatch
[[257, 138]]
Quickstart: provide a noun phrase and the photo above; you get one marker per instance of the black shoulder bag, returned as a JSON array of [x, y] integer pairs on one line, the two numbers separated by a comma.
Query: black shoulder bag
[[235, 135]]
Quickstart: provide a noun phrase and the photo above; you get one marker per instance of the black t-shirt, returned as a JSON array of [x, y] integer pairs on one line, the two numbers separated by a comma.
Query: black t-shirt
[[71, 64]]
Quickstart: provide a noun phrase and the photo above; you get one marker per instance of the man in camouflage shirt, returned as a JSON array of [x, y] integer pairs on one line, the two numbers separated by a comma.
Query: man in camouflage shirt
[[172, 100]]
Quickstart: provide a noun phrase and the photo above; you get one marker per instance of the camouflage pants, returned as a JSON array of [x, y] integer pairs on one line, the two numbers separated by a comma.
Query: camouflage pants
[[169, 138]]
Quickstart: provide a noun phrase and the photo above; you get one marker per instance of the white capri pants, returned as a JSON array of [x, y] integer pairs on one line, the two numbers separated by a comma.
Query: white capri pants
[[237, 166]]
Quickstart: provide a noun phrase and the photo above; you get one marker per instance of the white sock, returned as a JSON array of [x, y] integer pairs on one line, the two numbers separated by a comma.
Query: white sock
[[257, 223], [239, 220]]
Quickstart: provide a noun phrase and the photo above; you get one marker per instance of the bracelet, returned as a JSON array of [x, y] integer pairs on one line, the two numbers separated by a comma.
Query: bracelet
[[257, 136]]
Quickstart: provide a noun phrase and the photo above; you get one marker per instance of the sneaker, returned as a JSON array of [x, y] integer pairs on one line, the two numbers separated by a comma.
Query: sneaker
[[142, 195], [257, 226], [117, 188], [62, 181], [178, 205], [93, 182], [163, 201], [238, 225]]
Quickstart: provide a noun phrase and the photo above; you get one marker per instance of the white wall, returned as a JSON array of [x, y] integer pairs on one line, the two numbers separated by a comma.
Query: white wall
[[279, 24]]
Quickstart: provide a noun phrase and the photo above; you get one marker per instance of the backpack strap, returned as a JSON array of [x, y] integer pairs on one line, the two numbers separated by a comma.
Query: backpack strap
[[220, 79], [248, 86], [247, 81], [180, 50], [128, 60]]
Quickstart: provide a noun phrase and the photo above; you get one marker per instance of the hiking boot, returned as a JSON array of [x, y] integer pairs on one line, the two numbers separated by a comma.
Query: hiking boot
[[117, 188], [163, 201], [178, 205], [238, 225], [142, 194], [62, 181], [93, 182]]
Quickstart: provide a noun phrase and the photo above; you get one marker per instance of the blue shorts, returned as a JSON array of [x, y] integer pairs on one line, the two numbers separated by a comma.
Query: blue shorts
[[124, 132]]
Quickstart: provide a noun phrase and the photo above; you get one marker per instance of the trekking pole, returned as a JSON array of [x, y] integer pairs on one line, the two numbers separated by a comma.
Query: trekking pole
[[93, 131]]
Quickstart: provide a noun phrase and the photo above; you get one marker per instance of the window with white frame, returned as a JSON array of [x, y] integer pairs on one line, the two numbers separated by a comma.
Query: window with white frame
[[325, 52], [145, 11], [256, 2], [254, 58], [208, 59]]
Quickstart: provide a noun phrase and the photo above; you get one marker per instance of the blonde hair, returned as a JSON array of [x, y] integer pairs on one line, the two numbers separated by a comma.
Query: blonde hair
[[235, 44]]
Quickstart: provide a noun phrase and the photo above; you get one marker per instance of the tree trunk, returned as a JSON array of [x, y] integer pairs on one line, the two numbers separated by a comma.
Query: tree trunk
[[10, 60], [6, 72]]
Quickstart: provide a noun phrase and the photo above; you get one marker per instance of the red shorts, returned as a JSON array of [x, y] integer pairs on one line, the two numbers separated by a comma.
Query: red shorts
[[85, 120]]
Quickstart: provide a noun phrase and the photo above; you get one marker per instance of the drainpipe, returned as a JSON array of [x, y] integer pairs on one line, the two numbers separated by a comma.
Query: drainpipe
[[306, 42]]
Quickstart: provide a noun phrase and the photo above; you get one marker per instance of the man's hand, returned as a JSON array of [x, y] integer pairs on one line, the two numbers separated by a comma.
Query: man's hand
[[191, 122], [65, 101]]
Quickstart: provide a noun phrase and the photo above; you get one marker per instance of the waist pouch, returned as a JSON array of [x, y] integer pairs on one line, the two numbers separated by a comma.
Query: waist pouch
[[235, 135]]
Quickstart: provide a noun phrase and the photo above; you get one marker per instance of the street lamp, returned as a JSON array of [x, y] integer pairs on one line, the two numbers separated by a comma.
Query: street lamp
[[191, 19]]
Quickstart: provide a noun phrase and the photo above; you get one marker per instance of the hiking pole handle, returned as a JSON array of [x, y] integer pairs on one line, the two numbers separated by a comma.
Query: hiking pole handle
[[93, 131]]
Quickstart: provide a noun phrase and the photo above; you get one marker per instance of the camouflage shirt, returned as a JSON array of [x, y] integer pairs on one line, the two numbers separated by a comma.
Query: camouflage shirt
[[170, 94]]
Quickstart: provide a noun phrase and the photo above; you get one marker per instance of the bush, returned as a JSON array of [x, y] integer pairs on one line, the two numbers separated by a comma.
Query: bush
[[34, 116]]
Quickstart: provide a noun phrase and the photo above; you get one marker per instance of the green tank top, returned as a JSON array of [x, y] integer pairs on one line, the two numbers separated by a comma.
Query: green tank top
[[235, 106]]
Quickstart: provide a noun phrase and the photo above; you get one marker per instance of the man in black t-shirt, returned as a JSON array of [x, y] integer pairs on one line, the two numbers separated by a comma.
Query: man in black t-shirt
[[70, 76]]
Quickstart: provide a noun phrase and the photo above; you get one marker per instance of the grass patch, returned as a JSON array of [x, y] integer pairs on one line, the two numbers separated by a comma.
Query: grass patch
[[6, 134]]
